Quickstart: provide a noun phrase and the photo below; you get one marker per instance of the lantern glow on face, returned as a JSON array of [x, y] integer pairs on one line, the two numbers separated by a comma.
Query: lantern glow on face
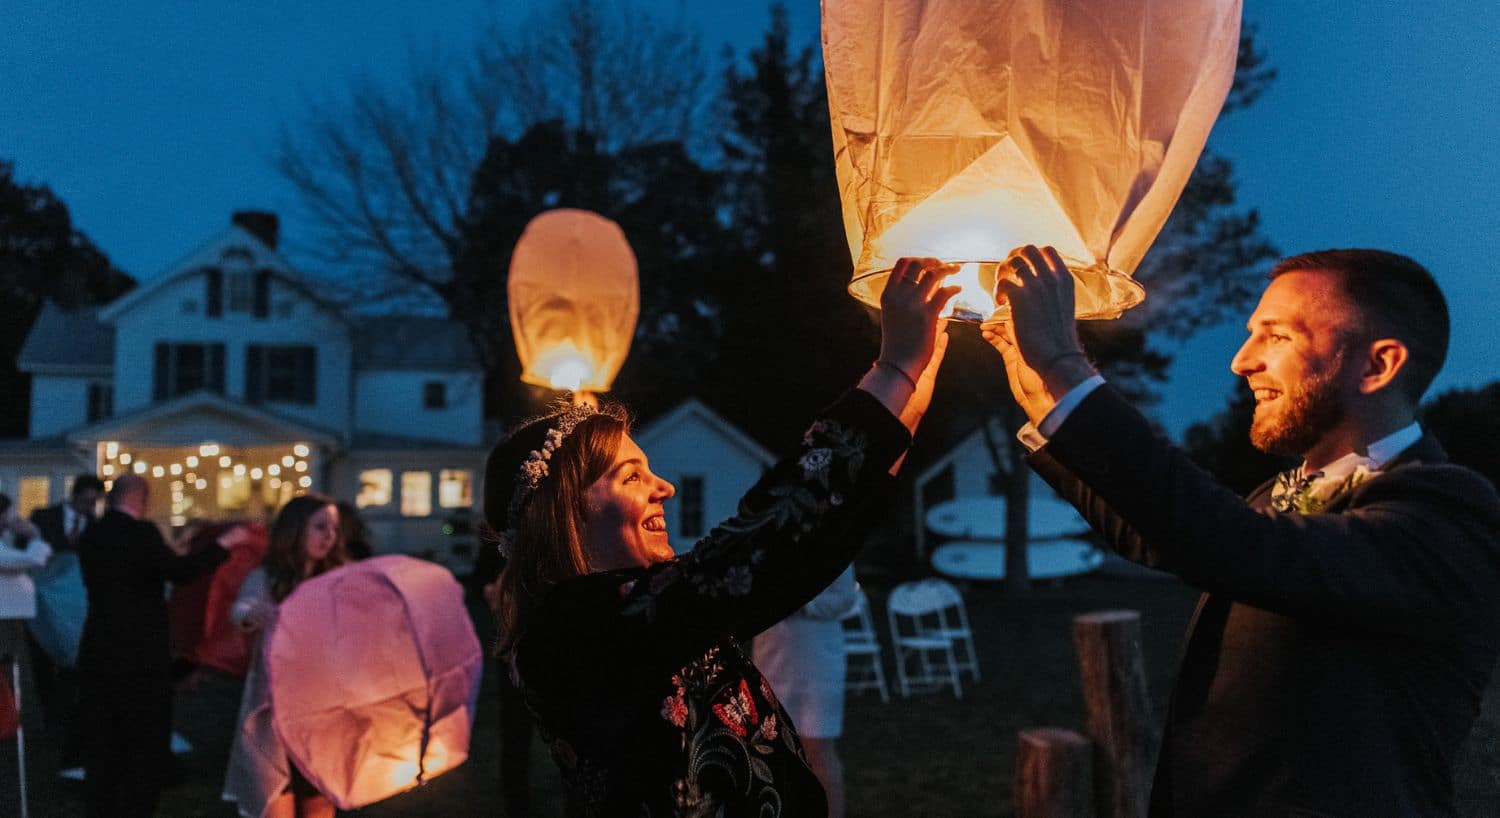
[[964, 130], [574, 300]]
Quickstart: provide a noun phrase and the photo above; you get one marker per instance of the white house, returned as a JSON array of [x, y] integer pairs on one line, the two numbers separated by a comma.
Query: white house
[[231, 384], [710, 461]]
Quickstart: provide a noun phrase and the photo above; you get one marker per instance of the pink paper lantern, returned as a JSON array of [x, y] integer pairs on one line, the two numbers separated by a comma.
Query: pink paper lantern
[[374, 671]]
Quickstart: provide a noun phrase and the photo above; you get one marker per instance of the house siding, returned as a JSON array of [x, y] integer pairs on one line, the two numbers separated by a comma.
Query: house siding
[[391, 403], [161, 319]]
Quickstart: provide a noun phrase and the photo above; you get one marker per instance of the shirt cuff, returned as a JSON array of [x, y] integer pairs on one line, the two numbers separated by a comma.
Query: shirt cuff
[[1035, 436]]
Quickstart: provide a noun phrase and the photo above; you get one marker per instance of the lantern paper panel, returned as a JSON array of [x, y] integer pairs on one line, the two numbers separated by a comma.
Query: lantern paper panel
[[374, 671], [574, 300], [964, 129]]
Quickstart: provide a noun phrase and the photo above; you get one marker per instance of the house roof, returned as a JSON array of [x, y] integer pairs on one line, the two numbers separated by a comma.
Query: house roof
[[412, 342], [203, 415], [380, 441], [68, 342], [212, 253], [692, 408]]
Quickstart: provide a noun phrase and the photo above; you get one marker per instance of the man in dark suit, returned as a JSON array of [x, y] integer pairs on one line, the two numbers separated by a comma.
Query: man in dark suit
[[125, 661], [1351, 614], [63, 525]]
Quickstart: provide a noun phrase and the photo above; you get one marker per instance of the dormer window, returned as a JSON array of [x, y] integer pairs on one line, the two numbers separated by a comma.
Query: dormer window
[[241, 290], [236, 287]]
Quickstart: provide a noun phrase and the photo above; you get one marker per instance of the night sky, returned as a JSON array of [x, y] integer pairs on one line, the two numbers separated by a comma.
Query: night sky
[[153, 122]]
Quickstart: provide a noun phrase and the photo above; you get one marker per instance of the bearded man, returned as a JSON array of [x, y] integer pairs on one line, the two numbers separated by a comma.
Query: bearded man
[[1351, 610]]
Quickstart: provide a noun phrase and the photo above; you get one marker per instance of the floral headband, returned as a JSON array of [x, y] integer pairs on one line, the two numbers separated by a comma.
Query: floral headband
[[534, 469]]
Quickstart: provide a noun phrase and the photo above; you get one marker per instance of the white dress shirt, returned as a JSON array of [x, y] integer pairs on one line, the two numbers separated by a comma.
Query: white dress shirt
[[17, 591]]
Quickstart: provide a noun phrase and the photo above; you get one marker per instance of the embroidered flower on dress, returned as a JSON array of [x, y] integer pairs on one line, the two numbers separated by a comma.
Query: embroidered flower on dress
[[737, 580], [816, 429], [768, 728], [738, 713], [674, 709], [816, 461]]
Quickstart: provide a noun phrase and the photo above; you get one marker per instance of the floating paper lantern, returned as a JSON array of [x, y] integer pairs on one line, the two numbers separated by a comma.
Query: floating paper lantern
[[964, 129], [574, 300], [374, 671]]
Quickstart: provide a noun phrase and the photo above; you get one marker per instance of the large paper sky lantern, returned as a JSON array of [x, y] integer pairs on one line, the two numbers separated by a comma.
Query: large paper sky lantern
[[574, 300], [965, 128], [374, 671]]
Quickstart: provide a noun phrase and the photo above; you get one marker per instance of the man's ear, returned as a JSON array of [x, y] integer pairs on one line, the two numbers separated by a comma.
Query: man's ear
[[1383, 361]]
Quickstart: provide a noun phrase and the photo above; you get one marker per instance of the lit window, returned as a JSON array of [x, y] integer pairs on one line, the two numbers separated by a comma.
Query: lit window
[[374, 488], [455, 488], [31, 494], [416, 493]]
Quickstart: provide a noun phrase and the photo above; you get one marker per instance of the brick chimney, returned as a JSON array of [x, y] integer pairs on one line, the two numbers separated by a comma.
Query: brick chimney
[[262, 224]]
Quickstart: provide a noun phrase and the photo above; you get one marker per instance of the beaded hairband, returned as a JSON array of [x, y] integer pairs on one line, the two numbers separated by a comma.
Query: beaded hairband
[[534, 469]]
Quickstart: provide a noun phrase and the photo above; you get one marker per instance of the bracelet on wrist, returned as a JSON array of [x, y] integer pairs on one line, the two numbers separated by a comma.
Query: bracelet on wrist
[[881, 362]]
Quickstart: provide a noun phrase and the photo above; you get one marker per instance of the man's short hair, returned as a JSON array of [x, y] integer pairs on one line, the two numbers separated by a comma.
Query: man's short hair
[[84, 482], [1395, 297]]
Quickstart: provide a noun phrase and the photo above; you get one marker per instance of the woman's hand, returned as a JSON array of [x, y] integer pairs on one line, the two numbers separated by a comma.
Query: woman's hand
[[909, 309], [259, 614]]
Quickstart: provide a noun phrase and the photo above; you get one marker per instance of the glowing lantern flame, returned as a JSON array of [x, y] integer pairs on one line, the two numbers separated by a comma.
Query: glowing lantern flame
[[574, 300], [963, 130]]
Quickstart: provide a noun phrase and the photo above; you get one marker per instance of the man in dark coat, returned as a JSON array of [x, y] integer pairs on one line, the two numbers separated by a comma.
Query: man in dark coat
[[62, 526], [1351, 614], [124, 662]]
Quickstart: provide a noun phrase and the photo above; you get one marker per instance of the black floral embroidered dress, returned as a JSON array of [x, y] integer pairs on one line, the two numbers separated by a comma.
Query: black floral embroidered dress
[[637, 678]]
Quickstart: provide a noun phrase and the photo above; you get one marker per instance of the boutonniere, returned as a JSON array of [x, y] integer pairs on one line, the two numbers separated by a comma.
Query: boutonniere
[[1322, 489]]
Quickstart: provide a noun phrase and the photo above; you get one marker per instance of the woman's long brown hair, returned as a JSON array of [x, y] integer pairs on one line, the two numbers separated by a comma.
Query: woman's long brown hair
[[286, 553], [549, 543]]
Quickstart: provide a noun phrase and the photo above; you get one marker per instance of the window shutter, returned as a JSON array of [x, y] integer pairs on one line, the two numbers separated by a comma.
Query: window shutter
[[262, 306], [161, 376], [307, 375], [214, 298], [215, 363], [254, 373]]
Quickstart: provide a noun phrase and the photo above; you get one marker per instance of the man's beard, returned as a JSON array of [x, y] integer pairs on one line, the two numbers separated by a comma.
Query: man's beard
[[1311, 410]]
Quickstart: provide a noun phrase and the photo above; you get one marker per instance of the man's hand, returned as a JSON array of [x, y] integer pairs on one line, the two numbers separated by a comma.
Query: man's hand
[[1025, 384], [25, 530], [237, 536], [1043, 357]]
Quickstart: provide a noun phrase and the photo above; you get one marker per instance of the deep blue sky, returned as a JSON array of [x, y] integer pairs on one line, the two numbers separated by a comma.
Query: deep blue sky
[[154, 121]]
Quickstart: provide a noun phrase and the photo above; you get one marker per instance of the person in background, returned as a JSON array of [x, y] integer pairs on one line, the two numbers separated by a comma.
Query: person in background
[[22, 550], [304, 542], [515, 723], [124, 662], [59, 583], [353, 532], [802, 657]]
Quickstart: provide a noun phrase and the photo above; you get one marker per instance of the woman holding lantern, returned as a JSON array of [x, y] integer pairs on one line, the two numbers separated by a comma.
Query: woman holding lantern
[[304, 542], [628, 657]]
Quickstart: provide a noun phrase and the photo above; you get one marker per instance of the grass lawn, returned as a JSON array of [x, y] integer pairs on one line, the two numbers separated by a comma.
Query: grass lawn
[[928, 756]]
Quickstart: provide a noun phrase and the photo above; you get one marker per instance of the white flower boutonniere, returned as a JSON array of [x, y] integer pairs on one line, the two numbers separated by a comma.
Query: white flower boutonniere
[[1321, 490]]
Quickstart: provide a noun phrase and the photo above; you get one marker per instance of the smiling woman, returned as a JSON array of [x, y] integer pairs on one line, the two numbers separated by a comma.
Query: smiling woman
[[629, 657]]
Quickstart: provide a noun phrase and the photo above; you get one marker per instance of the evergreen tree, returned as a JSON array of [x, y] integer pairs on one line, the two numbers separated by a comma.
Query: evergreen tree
[[43, 257]]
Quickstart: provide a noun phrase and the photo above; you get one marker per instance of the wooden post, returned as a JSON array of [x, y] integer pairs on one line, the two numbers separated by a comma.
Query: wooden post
[[1117, 710], [1054, 774]]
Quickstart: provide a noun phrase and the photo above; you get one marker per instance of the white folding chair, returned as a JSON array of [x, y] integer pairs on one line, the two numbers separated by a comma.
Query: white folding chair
[[915, 612], [954, 624], [862, 650]]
